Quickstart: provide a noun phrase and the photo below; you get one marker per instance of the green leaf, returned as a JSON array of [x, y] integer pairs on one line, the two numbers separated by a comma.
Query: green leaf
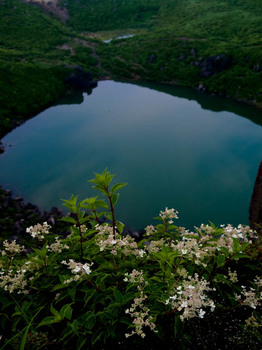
[[71, 204], [66, 311], [120, 226], [72, 293], [97, 336], [69, 219], [54, 311], [89, 319], [118, 295], [49, 320], [102, 180], [114, 198], [117, 187], [225, 251], [220, 260], [89, 294], [236, 245], [81, 342], [240, 256], [74, 326]]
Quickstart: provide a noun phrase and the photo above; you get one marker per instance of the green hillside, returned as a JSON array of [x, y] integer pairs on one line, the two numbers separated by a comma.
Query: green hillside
[[211, 45], [35, 53]]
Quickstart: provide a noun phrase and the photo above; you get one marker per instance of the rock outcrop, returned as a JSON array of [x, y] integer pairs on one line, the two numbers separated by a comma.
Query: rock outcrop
[[79, 79], [213, 65], [255, 209]]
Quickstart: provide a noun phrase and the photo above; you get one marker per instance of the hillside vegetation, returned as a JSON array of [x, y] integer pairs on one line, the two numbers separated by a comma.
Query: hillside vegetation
[[211, 45]]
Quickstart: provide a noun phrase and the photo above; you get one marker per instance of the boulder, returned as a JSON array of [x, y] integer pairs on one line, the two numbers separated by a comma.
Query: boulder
[[213, 65], [201, 87]]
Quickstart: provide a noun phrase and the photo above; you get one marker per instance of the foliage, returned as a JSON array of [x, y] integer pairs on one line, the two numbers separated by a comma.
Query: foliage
[[107, 15], [99, 286]]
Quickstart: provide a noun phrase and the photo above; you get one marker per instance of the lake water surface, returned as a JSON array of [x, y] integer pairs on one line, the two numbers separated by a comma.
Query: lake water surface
[[176, 148]]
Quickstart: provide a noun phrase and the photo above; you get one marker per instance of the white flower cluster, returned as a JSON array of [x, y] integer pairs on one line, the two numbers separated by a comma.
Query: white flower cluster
[[138, 311], [190, 298], [243, 233], [79, 270], [12, 248], [31, 265], [204, 243], [150, 230], [192, 249], [106, 240], [232, 276], [57, 246], [135, 277], [155, 246], [169, 214], [141, 318], [14, 281], [251, 297], [204, 229], [39, 231], [253, 322]]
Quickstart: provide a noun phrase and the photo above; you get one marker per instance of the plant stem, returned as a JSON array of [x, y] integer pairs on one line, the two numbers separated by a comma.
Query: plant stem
[[78, 225]]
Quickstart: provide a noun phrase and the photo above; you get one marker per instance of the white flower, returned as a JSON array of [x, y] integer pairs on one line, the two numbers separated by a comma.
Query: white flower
[[76, 269], [184, 304], [201, 313], [86, 267]]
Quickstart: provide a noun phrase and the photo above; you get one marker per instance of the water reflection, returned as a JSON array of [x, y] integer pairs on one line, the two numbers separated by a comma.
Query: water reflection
[[207, 102]]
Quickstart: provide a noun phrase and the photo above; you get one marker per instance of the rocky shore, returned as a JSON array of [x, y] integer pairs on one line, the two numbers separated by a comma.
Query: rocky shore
[[16, 216]]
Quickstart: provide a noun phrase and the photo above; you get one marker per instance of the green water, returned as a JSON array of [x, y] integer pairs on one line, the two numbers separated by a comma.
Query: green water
[[174, 147]]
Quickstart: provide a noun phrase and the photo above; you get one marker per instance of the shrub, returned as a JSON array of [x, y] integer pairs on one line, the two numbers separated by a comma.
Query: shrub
[[99, 286]]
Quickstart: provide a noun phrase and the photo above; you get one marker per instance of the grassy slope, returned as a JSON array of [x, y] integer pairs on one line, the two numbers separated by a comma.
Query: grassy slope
[[184, 33]]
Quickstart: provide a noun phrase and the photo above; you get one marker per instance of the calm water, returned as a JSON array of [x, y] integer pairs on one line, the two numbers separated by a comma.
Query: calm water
[[174, 147]]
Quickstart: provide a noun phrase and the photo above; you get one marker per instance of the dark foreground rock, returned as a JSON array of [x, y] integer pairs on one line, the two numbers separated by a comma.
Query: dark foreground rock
[[255, 209], [2, 148]]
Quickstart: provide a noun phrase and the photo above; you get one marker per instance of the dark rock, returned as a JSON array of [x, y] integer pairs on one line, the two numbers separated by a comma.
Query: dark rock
[[255, 208], [131, 233], [197, 64], [213, 65], [18, 228], [79, 79], [151, 59], [2, 148], [181, 58], [16, 216], [201, 87]]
